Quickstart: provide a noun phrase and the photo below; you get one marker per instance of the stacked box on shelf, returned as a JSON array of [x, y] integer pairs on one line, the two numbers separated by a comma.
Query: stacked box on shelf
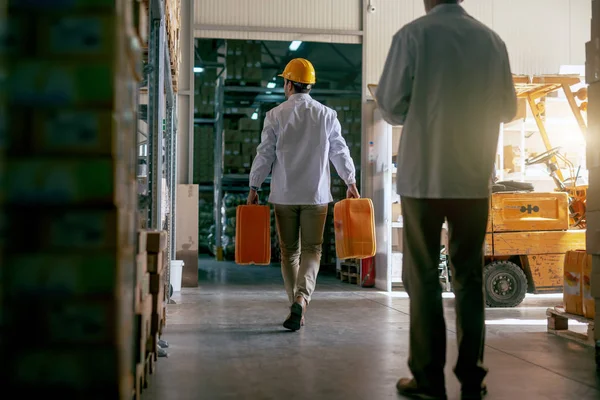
[[143, 312], [240, 146], [141, 20], [157, 263], [172, 24], [243, 62], [205, 93], [70, 199], [204, 154], [593, 160]]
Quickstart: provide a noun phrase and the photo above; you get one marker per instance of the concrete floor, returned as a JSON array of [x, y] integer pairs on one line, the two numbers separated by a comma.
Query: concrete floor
[[227, 342]]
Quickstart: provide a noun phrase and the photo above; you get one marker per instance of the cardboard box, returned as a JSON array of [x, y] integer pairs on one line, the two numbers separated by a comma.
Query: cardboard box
[[156, 241], [67, 274], [252, 74], [156, 281], [142, 242], [247, 124], [186, 243], [68, 181], [248, 149], [232, 148], [396, 212], [397, 240], [573, 282], [60, 83], [156, 262], [73, 35], [141, 263], [68, 131], [71, 228]]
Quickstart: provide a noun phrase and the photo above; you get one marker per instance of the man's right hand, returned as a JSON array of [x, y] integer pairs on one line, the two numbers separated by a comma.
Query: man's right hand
[[352, 192], [252, 197]]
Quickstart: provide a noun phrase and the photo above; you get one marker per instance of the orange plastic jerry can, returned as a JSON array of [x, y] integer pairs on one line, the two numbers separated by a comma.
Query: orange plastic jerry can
[[354, 223], [253, 235]]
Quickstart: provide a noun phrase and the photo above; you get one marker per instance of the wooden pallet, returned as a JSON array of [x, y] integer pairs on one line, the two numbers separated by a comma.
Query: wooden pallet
[[558, 324], [349, 273]]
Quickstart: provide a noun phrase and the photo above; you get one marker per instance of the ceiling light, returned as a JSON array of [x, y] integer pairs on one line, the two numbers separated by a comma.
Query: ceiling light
[[295, 44], [254, 116], [271, 85], [198, 70]]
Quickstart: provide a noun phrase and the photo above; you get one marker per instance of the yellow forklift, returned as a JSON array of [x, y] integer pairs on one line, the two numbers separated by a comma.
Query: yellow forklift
[[530, 232]]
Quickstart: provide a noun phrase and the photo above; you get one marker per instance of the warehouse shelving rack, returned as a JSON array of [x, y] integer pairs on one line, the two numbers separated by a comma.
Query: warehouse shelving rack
[[161, 137]]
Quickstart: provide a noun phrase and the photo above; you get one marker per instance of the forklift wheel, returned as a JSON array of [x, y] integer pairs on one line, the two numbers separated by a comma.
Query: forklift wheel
[[505, 284]]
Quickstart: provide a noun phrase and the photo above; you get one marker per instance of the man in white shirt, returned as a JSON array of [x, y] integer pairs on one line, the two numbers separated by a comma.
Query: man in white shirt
[[447, 80], [299, 139]]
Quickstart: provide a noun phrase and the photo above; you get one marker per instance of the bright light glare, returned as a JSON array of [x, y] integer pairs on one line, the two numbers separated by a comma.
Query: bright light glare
[[295, 44], [271, 85], [254, 116], [198, 70]]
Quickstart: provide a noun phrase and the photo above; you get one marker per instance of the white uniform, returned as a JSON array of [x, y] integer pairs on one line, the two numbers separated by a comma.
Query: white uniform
[[299, 139], [447, 79]]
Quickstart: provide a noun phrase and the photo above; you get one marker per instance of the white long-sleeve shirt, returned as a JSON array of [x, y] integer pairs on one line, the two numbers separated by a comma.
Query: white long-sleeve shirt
[[299, 139], [447, 80]]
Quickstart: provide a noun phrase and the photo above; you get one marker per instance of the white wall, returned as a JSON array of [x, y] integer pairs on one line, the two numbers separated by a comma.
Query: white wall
[[308, 20], [541, 35]]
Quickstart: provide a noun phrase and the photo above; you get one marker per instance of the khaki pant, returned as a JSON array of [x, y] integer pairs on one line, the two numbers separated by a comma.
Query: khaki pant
[[300, 230]]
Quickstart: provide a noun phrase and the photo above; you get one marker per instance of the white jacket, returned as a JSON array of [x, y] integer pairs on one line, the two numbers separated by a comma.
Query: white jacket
[[299, 138]]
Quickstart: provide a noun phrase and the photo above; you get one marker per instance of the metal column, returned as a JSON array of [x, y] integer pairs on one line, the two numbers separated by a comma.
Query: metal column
[[218, 183], [156, 101]]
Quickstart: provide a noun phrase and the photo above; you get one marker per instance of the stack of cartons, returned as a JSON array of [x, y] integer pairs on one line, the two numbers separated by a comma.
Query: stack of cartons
[[240, 146], [70, 200], [243, 62], [205, 86], [593, 160], [204, 154], [156, 246], [143, 313]]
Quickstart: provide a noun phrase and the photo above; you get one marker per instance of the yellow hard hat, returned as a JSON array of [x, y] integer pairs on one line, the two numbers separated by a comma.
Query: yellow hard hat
[[300, 70]]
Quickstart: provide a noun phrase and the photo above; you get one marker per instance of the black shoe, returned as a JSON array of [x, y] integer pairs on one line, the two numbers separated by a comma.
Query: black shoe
[[294, 320], [408, 387], [474, 394]]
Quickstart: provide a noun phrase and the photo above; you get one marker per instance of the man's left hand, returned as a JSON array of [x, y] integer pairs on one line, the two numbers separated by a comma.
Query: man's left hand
[[352, 192]]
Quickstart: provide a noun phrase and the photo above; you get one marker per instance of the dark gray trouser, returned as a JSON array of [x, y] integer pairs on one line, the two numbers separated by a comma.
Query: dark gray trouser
[[423, 220]]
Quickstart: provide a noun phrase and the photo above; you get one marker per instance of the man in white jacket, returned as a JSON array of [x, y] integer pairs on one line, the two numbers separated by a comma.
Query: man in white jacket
[[447, 80], [299, 139]]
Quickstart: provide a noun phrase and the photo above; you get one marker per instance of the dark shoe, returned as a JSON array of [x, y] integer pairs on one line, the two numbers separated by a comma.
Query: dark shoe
[[294, 320], [474, 394], [408, 388]]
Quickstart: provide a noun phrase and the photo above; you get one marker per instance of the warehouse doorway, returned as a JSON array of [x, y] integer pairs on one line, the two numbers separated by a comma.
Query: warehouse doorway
[[236, 84]]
